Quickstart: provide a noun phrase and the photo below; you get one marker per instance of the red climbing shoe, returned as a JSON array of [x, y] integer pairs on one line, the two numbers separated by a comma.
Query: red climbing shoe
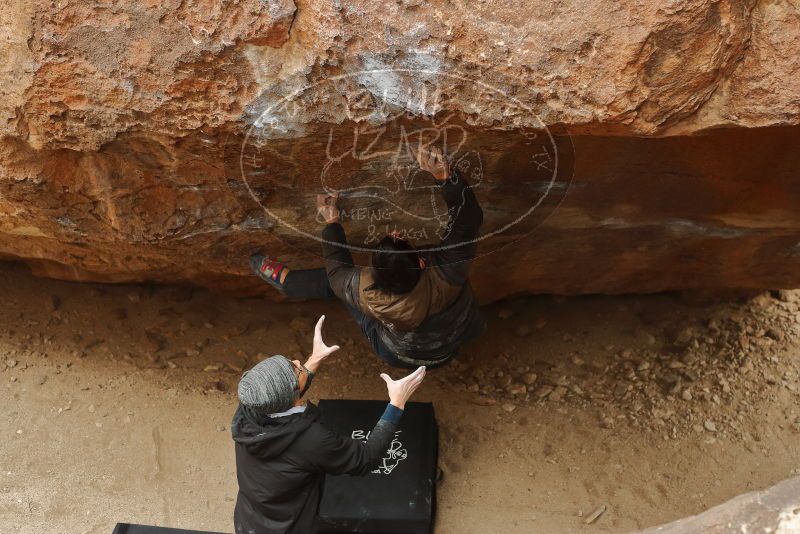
[[268, 270]]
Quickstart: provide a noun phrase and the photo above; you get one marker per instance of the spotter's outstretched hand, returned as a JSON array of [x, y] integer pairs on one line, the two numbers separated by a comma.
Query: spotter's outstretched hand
[[401, 390], [320, 351]]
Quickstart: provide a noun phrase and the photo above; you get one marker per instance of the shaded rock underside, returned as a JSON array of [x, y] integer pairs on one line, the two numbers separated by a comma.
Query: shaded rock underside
[[124, 128]]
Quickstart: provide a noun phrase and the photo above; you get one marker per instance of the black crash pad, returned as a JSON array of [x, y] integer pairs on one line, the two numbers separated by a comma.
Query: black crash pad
[[400, 496], [126, 528]]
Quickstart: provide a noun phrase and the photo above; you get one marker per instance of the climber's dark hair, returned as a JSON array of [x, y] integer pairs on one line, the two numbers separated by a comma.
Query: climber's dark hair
[[395, 266]]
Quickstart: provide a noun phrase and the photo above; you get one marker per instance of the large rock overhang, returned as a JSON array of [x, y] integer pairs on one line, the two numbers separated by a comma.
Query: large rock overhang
[[621, 147]]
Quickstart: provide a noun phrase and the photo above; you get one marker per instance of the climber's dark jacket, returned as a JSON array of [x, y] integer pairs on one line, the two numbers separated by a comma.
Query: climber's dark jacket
[[427, 325]]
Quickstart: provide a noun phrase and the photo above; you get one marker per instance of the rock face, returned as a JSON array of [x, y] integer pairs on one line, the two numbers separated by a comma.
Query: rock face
[[775, 509], [615, 146]]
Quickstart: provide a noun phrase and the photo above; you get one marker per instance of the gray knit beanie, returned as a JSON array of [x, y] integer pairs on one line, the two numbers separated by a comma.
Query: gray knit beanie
[[270, 386]]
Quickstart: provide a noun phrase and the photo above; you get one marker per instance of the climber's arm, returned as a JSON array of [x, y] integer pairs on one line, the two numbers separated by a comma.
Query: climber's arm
[[343, 276], [465, 216]]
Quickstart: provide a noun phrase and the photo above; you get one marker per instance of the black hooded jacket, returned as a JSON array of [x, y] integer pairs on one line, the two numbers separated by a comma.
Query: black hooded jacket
[[281, 464]]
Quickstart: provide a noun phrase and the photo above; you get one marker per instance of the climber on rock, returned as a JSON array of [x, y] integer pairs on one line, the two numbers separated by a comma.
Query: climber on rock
[[283, 451], [414, 308]]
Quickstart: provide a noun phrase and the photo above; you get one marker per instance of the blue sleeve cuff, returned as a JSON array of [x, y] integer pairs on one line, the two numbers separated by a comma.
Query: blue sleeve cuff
[[392, 414]]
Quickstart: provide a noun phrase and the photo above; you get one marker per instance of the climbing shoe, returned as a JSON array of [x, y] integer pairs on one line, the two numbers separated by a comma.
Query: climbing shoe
[[268, 270]]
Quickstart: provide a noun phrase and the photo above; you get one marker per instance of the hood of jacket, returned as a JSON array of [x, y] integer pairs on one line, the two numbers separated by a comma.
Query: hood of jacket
[[266, 437], [431, 295]]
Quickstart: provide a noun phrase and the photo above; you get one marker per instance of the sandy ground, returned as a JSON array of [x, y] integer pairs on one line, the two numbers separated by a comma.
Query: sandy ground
[[116, 402]]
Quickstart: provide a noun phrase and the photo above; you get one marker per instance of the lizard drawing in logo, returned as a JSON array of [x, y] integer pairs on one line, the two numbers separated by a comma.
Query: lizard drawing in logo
[[386, 172], [394, 454]]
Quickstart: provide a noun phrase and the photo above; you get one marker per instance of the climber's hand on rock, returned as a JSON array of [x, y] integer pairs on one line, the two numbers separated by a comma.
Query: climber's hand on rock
[[327, 208], [401, 390], [432, 159]]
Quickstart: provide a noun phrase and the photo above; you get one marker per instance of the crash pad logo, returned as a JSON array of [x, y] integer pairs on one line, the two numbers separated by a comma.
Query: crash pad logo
[[356, 134], [394, 454]]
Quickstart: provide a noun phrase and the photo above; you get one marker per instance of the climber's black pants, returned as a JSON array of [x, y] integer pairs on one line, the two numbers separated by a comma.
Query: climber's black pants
[[312, 284]]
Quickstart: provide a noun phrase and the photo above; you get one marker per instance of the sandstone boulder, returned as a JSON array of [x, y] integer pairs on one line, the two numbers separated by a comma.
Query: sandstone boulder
[[615, 146], [775, 509]]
